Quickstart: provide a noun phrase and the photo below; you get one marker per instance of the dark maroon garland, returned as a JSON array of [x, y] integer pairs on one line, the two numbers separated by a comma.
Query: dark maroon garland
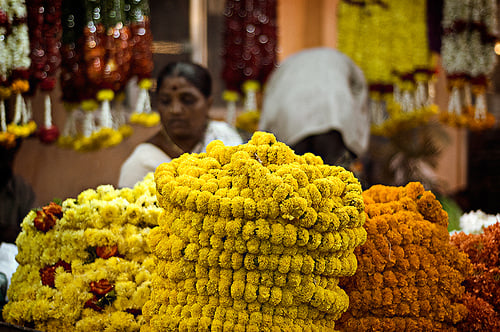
[[250, 42], [45, 29]]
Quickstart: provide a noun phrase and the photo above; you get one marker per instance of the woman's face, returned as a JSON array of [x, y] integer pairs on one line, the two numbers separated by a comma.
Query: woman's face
[[183, 109]]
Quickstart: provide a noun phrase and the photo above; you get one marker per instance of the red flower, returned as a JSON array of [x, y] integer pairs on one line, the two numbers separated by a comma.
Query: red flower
[[106, 252], [48, 134], [93, 303], [47, 274], [101, 287], [46, 218]]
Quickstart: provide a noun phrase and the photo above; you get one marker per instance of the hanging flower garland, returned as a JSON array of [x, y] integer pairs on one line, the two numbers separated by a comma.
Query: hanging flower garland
[[482, 288], [248, 120], [142, 62], [107, 55], [409, 276], [396, 62], [44, 20], [73, 78], [254, 238], [14, 72], [116, 70], [470, 32], [84, 264], [250, 44]]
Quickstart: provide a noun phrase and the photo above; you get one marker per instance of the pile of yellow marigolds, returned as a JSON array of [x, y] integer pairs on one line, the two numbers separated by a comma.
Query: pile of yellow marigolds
[[253, 238]]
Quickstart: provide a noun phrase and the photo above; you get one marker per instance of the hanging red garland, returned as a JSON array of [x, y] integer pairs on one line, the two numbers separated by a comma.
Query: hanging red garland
[[250, 42], [44, 23], [141, 40], [73, 70], [45, 29]]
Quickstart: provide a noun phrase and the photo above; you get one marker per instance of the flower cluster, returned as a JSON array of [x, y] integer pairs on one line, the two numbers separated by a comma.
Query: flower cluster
[[91, 269], [253, 238], [474, 222], [15, 55], [482, 288], [409, 276], [397, 62], [105, 45], [470, 33]]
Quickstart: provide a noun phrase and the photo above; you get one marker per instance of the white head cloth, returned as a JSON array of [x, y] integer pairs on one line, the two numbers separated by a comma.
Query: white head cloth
[[315, 91]]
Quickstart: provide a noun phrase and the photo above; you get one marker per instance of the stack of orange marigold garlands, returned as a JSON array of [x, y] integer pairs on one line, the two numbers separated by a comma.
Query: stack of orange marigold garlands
[[482, 296], [85, 265], [409, 276], [253, 238]]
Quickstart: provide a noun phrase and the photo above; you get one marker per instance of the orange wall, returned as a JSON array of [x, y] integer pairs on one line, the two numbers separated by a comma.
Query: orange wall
[[305, 24]]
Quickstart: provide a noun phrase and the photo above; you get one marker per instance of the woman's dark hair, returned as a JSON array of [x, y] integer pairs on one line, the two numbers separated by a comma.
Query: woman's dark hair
[[195, 74]]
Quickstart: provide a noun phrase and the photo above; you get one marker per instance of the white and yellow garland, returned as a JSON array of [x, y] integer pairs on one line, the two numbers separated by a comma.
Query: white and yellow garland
[[14, 52], [103, 218], [253, 238], [388, 41], [468, 57]]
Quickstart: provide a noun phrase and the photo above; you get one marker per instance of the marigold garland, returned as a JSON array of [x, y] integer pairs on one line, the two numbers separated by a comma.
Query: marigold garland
[[85, 265], [409, 276], [253, 238], [396, 62]]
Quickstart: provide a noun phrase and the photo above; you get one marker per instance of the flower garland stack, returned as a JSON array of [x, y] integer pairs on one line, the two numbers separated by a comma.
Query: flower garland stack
[[85, 265], [482, 287], [253, 238], [409, 276]]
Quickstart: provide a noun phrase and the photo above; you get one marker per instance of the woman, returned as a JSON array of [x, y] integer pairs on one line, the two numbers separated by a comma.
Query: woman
[[184, 92]]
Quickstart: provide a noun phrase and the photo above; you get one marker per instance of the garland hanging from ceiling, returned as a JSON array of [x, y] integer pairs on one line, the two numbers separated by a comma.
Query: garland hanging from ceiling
[[469, 36], [249, 52], [93, 48], [388, 40], [15, 122]]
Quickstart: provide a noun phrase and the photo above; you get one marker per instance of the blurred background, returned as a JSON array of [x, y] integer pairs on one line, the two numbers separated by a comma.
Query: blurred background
[[463, 165]]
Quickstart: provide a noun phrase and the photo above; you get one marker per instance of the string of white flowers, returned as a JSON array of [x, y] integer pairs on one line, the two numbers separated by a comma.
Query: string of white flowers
[[88, 124], [19, 45], [106, 117], [69, 129], [25, 111], [17, 8], [3, 122], [143, 104], [47, 111], [17, 109], [5, 55]]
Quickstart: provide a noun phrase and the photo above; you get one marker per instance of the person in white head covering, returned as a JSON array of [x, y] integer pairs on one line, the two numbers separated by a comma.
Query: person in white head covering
[[317, 101]]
